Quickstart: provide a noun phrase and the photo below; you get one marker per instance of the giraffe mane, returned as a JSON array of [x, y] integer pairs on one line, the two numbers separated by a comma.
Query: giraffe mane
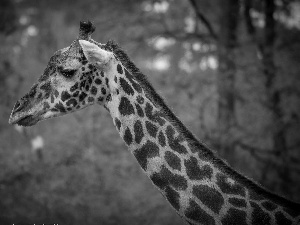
[[194, 143], [156, 98]]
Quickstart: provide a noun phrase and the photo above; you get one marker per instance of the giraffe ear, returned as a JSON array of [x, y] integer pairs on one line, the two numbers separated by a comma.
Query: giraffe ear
[[94, 54]]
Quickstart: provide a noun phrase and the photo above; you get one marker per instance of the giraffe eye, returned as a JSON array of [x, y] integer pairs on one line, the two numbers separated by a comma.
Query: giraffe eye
[[68, 72]]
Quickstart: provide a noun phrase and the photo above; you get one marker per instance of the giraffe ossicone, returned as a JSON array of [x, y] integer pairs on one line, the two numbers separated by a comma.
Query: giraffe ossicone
[[200, 187]]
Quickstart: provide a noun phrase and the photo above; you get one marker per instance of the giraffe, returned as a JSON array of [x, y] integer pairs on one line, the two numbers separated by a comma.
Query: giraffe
[[201, 187]]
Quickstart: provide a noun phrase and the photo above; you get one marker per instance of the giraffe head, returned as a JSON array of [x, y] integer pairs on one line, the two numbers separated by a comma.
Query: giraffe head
[[74, 78]]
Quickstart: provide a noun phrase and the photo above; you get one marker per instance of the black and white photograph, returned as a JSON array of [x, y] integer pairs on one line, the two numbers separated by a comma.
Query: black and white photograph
[[150, 112]]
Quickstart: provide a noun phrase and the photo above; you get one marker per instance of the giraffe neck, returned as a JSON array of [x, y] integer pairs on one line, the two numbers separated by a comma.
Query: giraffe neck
[[199, 186]]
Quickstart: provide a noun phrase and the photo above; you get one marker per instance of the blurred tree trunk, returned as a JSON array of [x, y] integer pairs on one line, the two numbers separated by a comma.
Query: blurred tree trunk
[[8, 17], [228, 18], [273, 94]]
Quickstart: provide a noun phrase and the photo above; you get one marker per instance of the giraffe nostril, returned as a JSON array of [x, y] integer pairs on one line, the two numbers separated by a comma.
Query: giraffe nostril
[[19, 106]]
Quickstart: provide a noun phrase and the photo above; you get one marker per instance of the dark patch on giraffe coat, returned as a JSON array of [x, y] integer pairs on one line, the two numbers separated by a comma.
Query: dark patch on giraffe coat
[[126, 87], [52, 98], [93, 90], [72, 102], [54, 110], [194, 212], [281, 219], [166, 178], [151, 128], [90, 80], [119, 69], [234, 217], [135, 85], [91, 67], [128, 136], [161, 139], [237, 202], [254, 196], [56, 93], [209, 197], [138, 131], [270, 206], [46, 106], [173, 197], [82, 96], [103, 91], [195, 172], [46, 87], [108, 98], [98, 81], [82, 84], [125, 107], [65, 96], [155, 117], [139, 110], [118, 123], [227, 188], [174, 142], [148, 150], [74, 87], [32, 91], [258, 216], [91, 99], [106, 81], [173, 160], [75, 94], [60, 107]]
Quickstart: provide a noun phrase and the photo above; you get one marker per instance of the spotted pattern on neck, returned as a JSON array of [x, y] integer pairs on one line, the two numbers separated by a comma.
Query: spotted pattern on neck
[[196, 185]]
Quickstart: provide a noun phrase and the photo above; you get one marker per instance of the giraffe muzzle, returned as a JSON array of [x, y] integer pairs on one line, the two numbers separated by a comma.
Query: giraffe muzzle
[[23, 119], [23, 114]]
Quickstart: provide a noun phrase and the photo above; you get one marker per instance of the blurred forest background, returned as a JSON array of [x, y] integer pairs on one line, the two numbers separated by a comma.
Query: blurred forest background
[[229, 69]]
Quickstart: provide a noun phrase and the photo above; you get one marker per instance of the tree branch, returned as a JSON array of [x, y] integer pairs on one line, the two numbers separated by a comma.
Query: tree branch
[[204, 20], [253, 149]]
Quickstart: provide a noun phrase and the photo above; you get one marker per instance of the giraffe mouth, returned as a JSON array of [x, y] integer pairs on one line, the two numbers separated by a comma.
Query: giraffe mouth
[[28, 116], [26, 121]]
